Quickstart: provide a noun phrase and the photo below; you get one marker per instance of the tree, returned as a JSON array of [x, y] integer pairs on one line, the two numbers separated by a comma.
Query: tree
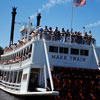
[[1, 50]]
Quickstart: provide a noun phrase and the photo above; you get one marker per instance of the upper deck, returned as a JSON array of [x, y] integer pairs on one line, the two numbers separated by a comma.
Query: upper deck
[[69, 49], [52, 36]]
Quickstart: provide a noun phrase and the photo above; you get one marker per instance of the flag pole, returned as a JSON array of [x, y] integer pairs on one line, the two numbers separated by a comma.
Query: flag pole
[[71, 22], [72, 16]]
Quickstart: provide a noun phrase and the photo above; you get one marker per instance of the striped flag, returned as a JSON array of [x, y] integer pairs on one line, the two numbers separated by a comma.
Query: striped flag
[[79, 3]]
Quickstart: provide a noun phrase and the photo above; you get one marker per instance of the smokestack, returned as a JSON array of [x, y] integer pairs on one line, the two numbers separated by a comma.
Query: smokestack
[[13, 24], [38, 19]]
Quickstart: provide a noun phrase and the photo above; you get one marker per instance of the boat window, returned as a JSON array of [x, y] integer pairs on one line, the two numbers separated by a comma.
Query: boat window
[[20, 77], [53, 49], [15, 77], [7, 77], [1, 75], [11, 77], [84, 52], [66, 50], [31, 48], [63, 50], [24, 52], [74, 51]]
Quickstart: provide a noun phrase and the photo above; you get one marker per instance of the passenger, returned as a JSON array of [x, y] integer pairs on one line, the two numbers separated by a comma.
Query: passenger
[[33, 34], [67, 32], [45, 30], [67, 36], [5, 62], [29, 37], [56, 33], [90, 34], [18, 59], [46, 33], [62, 32], [25, 40], [19, 43], [40, 30], [85, 35], [23, 58], [50, 30], [79, 37], [59, 36], [93, 41], [14, 61], [49, 34], [10, 48], [27, 56], [15, 46], [63, 35], [11, 61]]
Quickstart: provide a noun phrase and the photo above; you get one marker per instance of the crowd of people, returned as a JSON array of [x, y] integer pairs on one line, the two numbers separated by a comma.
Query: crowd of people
[[54, 35], [16, 59]]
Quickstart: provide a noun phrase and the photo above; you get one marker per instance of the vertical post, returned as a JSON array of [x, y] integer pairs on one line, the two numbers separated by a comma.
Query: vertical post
[[29, 26], [72, 15], [84, 30], [71, 21], [45, 78], [95, 54], [48, 65]]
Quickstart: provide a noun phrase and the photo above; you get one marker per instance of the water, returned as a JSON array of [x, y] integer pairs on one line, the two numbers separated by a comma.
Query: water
[[6, 96]]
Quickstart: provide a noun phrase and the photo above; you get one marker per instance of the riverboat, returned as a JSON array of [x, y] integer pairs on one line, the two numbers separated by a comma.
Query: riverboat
[[45, 62]]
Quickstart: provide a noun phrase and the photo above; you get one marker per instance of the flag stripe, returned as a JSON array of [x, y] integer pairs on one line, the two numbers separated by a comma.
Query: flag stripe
[[79, 3]]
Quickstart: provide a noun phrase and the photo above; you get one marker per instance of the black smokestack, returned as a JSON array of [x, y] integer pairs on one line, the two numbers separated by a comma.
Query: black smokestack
[[13, 24], [38, 19]]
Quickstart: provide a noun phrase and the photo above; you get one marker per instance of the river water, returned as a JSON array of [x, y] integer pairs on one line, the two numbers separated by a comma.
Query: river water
[[6, 96]]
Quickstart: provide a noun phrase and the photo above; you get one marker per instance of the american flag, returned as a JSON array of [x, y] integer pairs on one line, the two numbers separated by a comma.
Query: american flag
[[79, 3]]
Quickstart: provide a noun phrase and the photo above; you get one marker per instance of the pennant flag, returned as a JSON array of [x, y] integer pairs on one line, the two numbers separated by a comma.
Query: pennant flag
[[79, 3]]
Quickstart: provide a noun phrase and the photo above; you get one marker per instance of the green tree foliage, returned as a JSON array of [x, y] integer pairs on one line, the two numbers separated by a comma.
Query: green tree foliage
[[1, 50]]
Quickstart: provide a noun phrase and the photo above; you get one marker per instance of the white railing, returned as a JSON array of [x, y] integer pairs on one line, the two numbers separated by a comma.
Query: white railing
[[63, 39], [9, 85]]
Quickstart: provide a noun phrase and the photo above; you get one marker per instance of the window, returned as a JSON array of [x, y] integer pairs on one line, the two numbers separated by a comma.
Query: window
[[1, 75], [66, 50], [20, 77], [63, 50], [7, 77], [75, 51], [15, 77], [11, 77], [30, 48], [84, 52], [53, 49]]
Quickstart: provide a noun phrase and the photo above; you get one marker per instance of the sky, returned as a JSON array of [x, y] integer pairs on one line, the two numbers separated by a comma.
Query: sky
[[54, 13]]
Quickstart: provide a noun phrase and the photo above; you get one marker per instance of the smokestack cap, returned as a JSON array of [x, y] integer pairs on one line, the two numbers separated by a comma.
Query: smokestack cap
[[14, 10]]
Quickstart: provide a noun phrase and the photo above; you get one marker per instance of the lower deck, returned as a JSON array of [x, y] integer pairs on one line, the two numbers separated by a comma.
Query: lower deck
[[71, 83], [25, 82]]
